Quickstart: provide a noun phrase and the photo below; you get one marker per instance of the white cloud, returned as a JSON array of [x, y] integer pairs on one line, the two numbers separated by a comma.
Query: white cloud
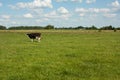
[[80, 1], [61, 0], [81, 14], [39, 20], [62, 10], [104, 10], [64, 13], [65, 16], [34, 4], [5, 16], [110, 15], [28, 15], [115, 4], [69, 0], [95, 11], [92, 10], [90, 1], [81, 10], [77, 1], [0, 4], [14, 22], [52, 14], [60, 13], [38, 11]]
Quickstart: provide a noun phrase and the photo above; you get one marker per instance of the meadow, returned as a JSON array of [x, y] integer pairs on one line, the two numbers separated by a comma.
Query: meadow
[[61, 55]]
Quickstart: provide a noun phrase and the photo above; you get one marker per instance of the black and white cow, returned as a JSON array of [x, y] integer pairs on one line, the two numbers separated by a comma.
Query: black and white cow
[[33, 36]]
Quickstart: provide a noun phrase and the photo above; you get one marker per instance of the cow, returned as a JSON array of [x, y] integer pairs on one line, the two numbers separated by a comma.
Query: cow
[[33, 36]]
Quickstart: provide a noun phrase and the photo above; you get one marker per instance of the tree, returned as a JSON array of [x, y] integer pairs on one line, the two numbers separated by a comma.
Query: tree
[[49, 27], [108, 27], [91, 28], [118, 28], [2, 27], [80, 27], [25, 28]]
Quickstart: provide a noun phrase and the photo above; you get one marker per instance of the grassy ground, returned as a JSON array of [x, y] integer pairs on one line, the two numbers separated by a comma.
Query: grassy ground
[[61, 55]]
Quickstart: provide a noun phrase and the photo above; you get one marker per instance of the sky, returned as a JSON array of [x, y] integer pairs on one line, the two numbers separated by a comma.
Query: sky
[[60, 13]]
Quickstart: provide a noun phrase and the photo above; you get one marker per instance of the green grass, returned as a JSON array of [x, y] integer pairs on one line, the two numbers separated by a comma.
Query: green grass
[[61, 55]]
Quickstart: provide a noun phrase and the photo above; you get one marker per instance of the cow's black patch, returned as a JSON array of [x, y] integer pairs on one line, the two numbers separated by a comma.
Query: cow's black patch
[[34, 35]]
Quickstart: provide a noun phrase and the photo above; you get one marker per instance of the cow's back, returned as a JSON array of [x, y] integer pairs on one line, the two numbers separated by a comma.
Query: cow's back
[[34, 35]]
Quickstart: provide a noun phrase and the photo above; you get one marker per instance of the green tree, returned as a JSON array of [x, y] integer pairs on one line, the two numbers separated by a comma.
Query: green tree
[[49, 27], [80, 27], [2, 27], [91, 28], [110, 27]]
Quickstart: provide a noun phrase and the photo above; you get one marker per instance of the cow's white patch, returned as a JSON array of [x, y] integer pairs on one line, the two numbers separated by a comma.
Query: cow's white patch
[[38, 38]]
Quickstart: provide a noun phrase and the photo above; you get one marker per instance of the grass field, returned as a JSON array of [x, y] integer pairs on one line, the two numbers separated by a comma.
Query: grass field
[[61, 55]]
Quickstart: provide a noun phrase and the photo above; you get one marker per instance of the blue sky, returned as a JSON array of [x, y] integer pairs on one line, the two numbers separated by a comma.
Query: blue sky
[[60, 13]]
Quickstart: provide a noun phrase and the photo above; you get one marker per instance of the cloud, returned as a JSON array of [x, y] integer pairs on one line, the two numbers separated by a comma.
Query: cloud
[[115, 4], [51, 15], [81, 10], [63, 10], [69, 0], [90, 1], [37, 11], [80, 1], [28, 15], [64, 13], [110, 15], [42, 20], [65, 16], [60, 13], [34, 4], [14, 22], [0, 4], [5, 19], [5, 16], [61, 0], [77, 1], [106, 12], [92, 10], [82, 14]]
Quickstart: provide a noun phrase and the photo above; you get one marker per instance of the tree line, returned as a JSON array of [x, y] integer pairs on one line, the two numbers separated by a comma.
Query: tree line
[[110, 27]]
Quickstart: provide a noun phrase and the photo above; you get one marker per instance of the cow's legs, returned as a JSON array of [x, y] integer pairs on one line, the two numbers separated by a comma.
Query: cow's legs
[[38, 38], [32, 40]]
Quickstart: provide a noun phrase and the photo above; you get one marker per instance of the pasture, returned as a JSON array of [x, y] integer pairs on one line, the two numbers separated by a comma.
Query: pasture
[[61, 55]]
